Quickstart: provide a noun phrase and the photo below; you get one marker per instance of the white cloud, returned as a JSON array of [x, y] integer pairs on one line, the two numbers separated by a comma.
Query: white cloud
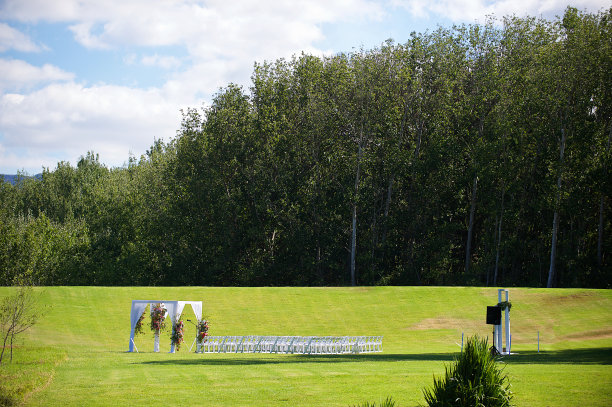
[[477, 10], [71, 118], [161, 22], [162, 61], [11, 38], [130, 59], [221, 38], [12, 162], [165, 62], [16, 75], [83, 35]]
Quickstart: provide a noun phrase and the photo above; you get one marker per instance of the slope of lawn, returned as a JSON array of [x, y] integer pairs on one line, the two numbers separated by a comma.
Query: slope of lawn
[[75, 355]]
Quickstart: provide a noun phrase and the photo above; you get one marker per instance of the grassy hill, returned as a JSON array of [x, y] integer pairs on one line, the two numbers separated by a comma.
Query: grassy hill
[[76, 354]]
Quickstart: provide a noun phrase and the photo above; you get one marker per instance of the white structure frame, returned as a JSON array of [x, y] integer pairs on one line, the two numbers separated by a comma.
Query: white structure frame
[[498, 331], [304, 345], [174, 309]]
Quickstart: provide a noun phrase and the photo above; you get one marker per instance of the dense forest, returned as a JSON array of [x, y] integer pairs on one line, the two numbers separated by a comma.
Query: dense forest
[[472, 155]]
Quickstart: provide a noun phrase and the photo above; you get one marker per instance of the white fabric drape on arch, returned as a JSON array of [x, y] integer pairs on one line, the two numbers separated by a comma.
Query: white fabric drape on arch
[[175, 309]]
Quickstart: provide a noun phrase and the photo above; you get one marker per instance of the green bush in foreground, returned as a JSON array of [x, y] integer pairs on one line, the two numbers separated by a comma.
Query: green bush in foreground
[[387, 403], [474, 380]]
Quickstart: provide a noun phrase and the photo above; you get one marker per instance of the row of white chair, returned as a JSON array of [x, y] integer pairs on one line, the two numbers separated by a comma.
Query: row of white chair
[[307, 345]]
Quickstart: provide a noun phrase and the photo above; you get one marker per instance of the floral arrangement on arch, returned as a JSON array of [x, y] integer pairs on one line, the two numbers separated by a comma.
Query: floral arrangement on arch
[[202, 330], [177, 334], [158, 317], [138, 328]]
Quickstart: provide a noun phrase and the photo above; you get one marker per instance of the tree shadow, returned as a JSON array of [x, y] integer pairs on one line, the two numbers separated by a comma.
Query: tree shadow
[[594, 356], [276, 359]]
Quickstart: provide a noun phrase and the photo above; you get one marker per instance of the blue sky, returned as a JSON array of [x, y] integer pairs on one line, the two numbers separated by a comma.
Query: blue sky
[[111, 76]]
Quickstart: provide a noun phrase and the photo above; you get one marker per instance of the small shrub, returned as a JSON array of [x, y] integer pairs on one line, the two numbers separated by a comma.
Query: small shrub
[[474, 380], [6, 398], [17, 314], [387, 403]]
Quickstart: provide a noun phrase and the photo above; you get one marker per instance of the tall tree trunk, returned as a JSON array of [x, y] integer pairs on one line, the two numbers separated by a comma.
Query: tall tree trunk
[[354, 233], [317, 224], [489, 271], [555, 230], [6, 336], [415, 224], [553, 250], [468, 245], [601, 210], [417, 149], [12, 337], [386, 215], [600, 232], [499, 230]]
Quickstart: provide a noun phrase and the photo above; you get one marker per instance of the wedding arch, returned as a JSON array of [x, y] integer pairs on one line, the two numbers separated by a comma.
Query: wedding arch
[[308, 345], [173, 308]]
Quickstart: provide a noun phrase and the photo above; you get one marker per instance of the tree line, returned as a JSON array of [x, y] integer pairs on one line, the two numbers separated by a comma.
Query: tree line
[[476, 155]]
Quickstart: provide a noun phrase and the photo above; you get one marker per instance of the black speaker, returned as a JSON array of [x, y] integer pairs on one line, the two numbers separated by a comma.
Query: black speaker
[[494, 315]]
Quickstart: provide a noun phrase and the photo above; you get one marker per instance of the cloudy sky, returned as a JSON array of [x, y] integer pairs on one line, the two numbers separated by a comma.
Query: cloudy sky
[[111, 76]]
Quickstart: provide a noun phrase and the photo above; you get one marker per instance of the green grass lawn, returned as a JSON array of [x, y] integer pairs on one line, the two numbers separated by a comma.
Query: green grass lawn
[[76, 354]]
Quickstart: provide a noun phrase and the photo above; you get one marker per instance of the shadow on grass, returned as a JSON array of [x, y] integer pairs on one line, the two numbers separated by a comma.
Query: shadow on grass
[[592, 356], [272, 359]]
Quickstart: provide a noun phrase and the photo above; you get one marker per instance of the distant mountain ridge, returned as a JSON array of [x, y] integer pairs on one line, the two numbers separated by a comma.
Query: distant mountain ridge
[[12, 179]]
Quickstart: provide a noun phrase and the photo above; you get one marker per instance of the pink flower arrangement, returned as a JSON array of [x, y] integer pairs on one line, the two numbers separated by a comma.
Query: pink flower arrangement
[[202, 330], [177, 334], [158, 317], [138, 328]]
